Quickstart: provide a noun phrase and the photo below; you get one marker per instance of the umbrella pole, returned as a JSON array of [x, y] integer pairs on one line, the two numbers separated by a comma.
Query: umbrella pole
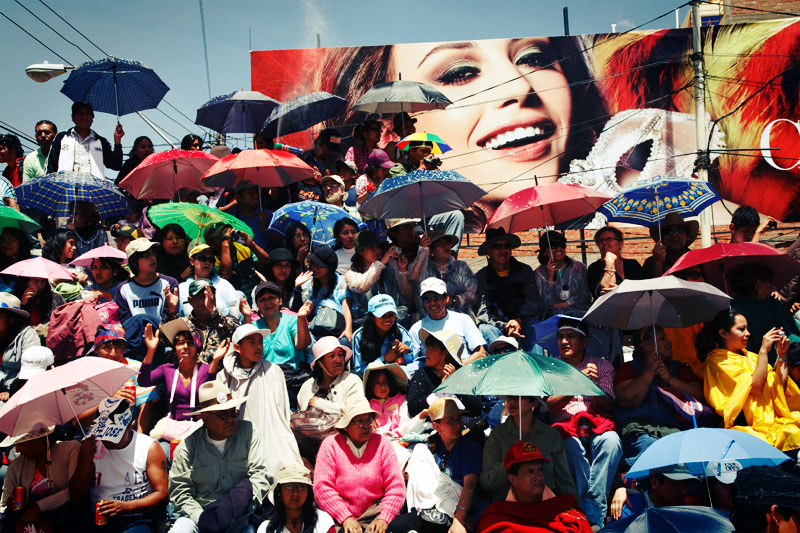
[[116, 93], [71, 408], [422, 207], [519, 408], [658, 218], [653, 320]]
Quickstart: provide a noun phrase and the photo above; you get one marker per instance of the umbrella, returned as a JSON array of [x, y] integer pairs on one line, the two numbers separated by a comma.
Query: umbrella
[[399, 96], [697, 447], [104, 251], [265, 168], [439, 146], [57, 395], [237, 112], [649, 201], [420, 194], [719, 259], [667, 301], [545, 205], [38, 267], [301, 113], [11, 218], [678, 519], [193, 218], [116, 86], [547, 331], [52, 194], [319, 218], [160, 176]]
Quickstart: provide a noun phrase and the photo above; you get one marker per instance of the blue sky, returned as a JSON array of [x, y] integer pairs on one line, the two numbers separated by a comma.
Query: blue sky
[[166, 35]]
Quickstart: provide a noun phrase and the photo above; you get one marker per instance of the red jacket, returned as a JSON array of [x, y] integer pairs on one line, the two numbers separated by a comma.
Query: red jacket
[[560, 514]]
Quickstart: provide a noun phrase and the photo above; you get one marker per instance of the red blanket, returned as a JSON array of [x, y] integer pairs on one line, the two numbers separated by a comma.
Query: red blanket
[[569, 428], [560, 514]]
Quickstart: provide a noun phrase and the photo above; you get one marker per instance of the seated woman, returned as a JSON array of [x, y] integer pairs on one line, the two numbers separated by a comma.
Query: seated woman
[[298, 241], [295, 509], [14, 246], [38, 298], [281, 269], [173, 254], [560, 279], [327, 289], [384, 386], [357, 478], [381, 338], [88, 228], [15, 336], [107, 274], [461, 281], [742, 386], [60, 246], [330, 386], [344, 231], [43, 469]]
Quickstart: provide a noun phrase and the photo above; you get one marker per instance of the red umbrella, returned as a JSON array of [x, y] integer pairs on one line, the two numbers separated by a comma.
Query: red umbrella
[[719, 259], [160, 176], [265, 168], [546, 205]]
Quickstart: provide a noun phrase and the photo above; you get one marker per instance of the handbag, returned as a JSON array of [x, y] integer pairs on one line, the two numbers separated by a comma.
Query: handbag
[[327, 321], [310, 428]]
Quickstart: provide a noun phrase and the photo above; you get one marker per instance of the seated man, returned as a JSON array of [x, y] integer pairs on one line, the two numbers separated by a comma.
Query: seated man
[[219, 474], [530, 506], [201, 260], [125, 480], [147, 292], [335, 192], [248, 209], [215, 327], [665, 486], [673, 238], [611, 269], [507, 299], [594, 450], [433, 293], [767, 499]]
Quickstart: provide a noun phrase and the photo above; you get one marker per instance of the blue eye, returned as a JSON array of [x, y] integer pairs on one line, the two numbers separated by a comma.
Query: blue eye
[[459, 75]]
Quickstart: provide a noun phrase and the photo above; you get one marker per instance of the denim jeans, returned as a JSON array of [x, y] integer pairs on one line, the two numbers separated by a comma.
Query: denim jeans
[[593, 480], [185, 525], [633, 447]]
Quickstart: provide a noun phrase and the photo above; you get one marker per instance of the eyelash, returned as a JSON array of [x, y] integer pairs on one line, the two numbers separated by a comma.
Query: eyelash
[[460, 74]]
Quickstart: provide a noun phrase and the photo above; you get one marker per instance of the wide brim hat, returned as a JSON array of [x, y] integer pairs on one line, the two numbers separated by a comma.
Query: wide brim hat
[[396, 371], [495, 234], [139, 245], [11, 303], [326, 345], [395, 222], [452, 341], [359, 406], [442, 407], [215, 396], [173, 327], [675, 219], [39, 430], [438, 235]]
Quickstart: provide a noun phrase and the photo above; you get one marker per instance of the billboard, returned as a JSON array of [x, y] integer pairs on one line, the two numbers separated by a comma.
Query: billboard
[[598, 110]]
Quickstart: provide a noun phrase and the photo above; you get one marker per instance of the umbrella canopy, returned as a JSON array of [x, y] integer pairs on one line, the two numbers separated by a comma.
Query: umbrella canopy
[[193, 218], [55, 396], [237, 112], [399, 96], [301, 113], [438, 144], [319, 218], [38, 267], [263, 167], [420, 194], [547, 332], [53, 193], [545, 205], [697, 447], [649, 201], [519, 374], [116, 86], [719, 259], [677, 519], [668, 301], [105, 251], [11, 218], [160, 176]]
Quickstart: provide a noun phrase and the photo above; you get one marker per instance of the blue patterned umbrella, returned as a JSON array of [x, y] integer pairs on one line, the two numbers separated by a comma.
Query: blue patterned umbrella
[[53, 193], [301, 113], [420, 194], [116, 86], [237, 112], [319, 218], [649, 201]]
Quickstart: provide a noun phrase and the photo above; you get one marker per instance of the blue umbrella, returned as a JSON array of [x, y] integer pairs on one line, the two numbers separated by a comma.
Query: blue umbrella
[[678, 519], [547, 332], [420, 194], [116, 86], [695, 448], [237, 112], [301, 113], [319, 218], [53, 193]]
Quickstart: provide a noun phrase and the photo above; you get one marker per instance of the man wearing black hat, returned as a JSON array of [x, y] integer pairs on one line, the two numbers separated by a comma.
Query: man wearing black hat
[[81, 149], [507, 299], [768, 499], [673, 238]]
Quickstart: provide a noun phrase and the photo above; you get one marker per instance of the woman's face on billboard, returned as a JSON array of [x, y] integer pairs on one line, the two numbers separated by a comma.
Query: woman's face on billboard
[[519, 119]]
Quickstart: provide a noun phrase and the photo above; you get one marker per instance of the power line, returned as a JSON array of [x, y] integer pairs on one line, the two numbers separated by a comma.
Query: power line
[[36, 39], [74, 28], [175, 121], [52, 28], [748, 8], [205, 47]]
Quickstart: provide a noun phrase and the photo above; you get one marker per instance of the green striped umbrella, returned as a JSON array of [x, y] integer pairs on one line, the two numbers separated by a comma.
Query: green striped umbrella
[[193, 218]]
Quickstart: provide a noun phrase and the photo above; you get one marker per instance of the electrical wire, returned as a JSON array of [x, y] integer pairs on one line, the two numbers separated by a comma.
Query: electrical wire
[[74, 28], [18, 132], [36, 39], [748, 8], [52, 28]]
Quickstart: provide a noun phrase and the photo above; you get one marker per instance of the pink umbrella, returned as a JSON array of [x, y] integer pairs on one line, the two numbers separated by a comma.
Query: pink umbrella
[[104, 251], [38, 267], [546, 205], [57, 395], [162, 175]]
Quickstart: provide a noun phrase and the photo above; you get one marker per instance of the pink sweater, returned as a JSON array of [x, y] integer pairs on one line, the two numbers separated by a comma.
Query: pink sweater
[[346, 486]]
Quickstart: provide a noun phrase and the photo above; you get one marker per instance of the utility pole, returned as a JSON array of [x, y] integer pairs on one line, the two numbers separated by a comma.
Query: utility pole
[[703, 161]]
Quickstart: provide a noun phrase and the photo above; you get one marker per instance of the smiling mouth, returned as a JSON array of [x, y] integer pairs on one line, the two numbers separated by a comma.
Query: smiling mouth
[[520, 136]]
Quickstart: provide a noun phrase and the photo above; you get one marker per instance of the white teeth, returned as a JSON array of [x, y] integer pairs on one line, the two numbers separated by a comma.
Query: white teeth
[[501, 139], [519, 133], [530, 131], [514, 135]]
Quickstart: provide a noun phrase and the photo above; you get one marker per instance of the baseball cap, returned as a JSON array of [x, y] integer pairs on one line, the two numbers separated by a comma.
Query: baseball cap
[[245, 330], [35, 360], [724, 471], [139, 245], [113, 419], [678, 472], [523, 452], [341, 163], [325, 257], [266, 286], [126, 232], [432, 285], [333, 177], [380, 304], [379, 158], [107, 333], [199, 285], [511, 341], [199, 248]]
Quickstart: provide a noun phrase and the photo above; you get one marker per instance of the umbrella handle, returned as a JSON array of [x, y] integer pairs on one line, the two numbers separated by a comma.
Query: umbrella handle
[[72, 408]]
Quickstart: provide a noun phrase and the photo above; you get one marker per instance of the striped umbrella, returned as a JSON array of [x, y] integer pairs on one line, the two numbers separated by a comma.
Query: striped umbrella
[[438, 144], [53, 194]]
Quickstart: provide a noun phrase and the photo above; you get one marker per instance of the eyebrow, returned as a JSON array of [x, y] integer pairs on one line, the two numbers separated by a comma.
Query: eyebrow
[[446, 46]]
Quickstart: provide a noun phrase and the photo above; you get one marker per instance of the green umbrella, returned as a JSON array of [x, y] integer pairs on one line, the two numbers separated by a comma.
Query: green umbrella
[[11, 218], [193, 218]]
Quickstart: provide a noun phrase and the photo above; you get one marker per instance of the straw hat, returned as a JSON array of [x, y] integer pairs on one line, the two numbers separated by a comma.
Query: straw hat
[[357, 406], [395, 370], [452, 341], [444, 407], [216, 396], [39, 430]]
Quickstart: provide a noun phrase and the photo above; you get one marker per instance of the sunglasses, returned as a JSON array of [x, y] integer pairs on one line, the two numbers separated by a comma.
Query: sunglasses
[[502, 246], [606, 239], [226, 415], [675, 230], [428, 298], [204, 258]]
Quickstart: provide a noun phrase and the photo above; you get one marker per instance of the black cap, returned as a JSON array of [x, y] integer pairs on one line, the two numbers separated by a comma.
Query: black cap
[[281, 254], [551, 238], [266, 286], [80, 105], [365, 238], [325, 257]]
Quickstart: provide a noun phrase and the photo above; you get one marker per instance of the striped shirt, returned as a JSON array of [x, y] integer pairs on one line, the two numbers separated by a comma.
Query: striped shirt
[[605, 380]]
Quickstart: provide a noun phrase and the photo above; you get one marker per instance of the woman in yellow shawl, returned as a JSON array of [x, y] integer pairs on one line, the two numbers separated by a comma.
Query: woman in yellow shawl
[[743, 388]]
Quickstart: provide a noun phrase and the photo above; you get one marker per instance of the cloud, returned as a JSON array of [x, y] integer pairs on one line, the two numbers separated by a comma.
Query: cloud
[[624, 24]]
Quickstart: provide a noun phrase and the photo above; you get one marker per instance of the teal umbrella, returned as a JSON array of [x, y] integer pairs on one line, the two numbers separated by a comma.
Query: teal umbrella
[[193, 218]]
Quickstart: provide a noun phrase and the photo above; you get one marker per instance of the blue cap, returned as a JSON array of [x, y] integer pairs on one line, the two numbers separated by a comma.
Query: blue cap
[[381, 304]]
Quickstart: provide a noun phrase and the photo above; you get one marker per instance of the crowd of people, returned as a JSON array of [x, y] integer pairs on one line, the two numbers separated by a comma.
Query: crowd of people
[[280, 385]]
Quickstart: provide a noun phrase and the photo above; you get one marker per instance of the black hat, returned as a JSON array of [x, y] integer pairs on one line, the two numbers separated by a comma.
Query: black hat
[[496, 234], [551, 238], [266, 286], [80, 105], [365, 238], [325, 257], [281, 254], [766, 485]]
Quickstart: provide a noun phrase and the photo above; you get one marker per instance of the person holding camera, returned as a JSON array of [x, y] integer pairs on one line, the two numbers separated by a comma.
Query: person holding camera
[[237, 255]]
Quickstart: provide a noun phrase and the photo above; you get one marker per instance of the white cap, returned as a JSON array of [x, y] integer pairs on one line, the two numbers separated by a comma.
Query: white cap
[[432, 285], [724, 471], [245, 330], [35, 360], [511, 341]]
